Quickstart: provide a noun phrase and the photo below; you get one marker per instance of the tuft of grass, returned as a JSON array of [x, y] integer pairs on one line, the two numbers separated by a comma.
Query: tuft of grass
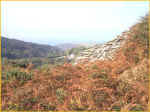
[[61, 94], [116, 108], [22, 77], [47, 107], [28, 103], [137, 108], [100, 75]]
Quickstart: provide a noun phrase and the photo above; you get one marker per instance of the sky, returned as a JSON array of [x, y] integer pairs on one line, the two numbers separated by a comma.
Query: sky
[[69, 22]]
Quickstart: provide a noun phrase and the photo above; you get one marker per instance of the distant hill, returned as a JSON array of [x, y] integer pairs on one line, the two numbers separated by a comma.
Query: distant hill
[[14, 49], [67, 46]]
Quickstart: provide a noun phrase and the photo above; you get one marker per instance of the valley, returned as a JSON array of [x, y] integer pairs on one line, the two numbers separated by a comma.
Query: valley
[[111, 76]]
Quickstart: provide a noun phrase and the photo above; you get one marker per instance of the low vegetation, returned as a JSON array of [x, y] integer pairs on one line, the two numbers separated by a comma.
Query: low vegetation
[[113, 85]]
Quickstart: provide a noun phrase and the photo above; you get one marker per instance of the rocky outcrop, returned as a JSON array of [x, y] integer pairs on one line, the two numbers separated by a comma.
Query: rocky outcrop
[[104, 51]]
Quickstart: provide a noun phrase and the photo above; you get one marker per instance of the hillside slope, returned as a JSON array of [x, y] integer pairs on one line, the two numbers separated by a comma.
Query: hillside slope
[[13, 49], [108, 50], [104, 51], [118, 84]]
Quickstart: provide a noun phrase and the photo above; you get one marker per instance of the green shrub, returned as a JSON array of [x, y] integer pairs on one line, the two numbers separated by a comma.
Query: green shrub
[[60, 78], [99, 97], [101, 75], [136, 59], [13, 107], [16, 75], [128, 50], [23, 63], [116, 108], [95, 67], [47, 107], [76, 104], [143, 30], [137, 108], [26, 104], [45, 68], [61, 94]]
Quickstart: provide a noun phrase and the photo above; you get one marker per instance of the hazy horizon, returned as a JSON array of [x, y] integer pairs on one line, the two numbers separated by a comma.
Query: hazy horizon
[[69, 22]]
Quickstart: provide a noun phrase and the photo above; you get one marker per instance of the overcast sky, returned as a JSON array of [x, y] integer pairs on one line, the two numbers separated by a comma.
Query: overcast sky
[[64, 22]]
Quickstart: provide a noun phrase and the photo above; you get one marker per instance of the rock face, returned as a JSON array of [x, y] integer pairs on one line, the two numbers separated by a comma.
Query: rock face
[[104, 51]]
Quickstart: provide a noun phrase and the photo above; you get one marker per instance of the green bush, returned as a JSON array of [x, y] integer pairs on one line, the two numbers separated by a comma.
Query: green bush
[[116, 108], [137, 108], [47, 107], [23, 63], [99, 97], [101, 75], [13, 107], [16, 75], [136, 59], [61, 94], [27, 104], [143, 30]]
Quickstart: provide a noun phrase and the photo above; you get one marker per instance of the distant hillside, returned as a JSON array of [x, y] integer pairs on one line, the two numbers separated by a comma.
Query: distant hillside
[[67, 46], [12, 49]]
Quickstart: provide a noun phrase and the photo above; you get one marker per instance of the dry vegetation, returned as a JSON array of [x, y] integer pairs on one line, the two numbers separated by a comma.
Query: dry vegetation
[[121, 84]]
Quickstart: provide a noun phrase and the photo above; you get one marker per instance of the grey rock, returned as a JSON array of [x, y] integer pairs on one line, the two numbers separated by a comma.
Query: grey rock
[[104, 51]]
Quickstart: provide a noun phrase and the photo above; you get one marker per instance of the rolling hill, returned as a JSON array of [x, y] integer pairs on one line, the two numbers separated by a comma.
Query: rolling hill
[[14, 49]]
